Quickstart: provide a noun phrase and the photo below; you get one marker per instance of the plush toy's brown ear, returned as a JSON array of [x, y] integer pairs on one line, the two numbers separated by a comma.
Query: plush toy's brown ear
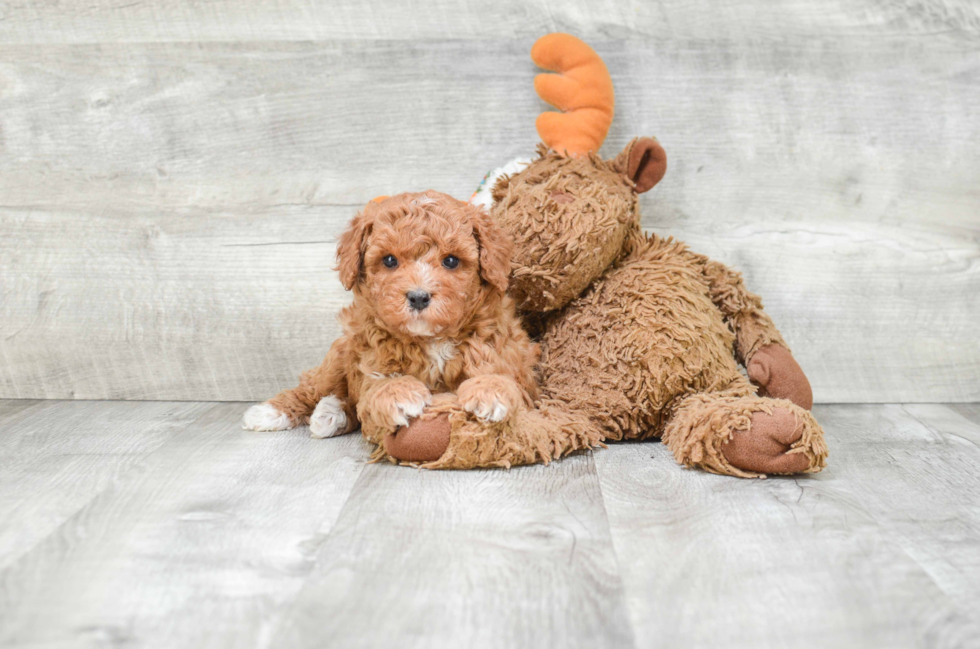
[[496, 249], [350, 249], [644, 162]]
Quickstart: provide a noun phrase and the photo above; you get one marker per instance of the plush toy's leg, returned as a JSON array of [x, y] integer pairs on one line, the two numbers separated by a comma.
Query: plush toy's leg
[[745, 436], [448, 437]]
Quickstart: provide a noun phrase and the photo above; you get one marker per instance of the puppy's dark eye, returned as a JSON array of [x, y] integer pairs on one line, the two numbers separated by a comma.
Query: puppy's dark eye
[[389, 261], [450, 262]]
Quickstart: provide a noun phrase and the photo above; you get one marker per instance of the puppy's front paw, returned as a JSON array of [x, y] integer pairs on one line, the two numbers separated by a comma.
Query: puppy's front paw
[[399, 400], [491, 397], [328, 419], [265, 416]]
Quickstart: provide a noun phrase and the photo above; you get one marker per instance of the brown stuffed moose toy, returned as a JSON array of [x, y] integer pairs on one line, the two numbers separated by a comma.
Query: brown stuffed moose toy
[[640, 337]]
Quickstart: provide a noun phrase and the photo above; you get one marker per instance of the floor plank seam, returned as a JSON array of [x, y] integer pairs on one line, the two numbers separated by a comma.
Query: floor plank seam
[[615, 551]]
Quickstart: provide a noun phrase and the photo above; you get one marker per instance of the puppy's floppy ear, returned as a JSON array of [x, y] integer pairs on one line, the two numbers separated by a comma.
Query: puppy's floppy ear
[[496, 248], [350, 248]]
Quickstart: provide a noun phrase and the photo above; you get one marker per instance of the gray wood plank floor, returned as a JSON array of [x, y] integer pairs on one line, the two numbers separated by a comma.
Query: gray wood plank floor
[[162, 524]]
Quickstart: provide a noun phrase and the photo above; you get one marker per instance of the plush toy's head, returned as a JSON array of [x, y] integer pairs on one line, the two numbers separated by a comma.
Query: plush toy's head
[[569, 212]]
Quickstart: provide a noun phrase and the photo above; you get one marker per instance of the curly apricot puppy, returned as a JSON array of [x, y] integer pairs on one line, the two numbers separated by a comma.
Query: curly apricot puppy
[[429, 316]]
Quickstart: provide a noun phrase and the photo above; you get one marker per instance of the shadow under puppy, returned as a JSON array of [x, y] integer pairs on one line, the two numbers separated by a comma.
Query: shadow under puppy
[[429, 317]]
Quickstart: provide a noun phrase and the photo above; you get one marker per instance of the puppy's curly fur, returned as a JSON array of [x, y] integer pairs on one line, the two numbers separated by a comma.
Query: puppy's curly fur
[[393, 356]]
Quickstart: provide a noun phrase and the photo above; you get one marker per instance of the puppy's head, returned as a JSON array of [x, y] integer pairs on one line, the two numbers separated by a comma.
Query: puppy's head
[[424, 262]]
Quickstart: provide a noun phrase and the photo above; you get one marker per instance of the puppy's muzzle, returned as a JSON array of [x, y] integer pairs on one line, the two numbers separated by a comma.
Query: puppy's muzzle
[[418, 300]]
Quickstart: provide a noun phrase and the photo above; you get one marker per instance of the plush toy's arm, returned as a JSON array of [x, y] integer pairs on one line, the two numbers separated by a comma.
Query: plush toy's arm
[[742, 309], [758, 344]]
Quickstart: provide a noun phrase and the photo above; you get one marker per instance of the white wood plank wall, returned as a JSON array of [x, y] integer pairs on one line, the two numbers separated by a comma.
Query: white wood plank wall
[[173, 174]]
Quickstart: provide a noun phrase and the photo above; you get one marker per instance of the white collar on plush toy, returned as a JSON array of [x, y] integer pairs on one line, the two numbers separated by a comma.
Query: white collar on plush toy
[[483, 196]]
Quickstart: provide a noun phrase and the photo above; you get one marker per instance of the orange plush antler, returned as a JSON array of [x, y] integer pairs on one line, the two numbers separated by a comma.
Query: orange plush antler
[[582, 90]]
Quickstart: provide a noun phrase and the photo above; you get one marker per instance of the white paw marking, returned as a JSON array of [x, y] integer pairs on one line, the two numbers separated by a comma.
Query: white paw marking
[[328, 419], [265, 416], [493, 410], [405, 410]]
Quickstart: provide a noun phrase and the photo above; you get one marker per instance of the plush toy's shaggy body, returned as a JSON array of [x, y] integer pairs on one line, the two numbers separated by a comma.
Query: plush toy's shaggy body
[[640, 337], [646, 351]]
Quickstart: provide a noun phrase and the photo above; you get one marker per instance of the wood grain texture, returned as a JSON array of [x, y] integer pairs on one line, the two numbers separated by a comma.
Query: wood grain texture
[[55, 457], [10, 409], [226, 305], [518, 558], [197, 548], [212, 536], [971, 411], [839, 172], [194, 20], [878, 550]]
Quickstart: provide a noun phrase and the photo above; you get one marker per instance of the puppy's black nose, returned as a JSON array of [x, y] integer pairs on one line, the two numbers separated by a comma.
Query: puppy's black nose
[[418, 300]]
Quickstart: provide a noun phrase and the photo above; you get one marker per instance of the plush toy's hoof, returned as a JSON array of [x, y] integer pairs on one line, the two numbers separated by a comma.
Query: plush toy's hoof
[[779, 376], [423, 440], [763, 447]]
